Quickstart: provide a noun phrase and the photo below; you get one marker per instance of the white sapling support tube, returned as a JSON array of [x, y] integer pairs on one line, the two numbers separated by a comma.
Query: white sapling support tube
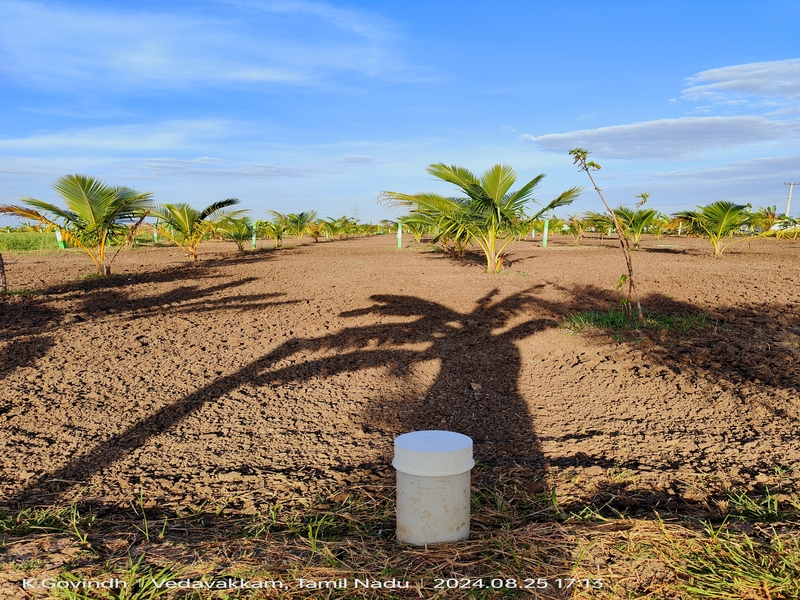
[[433, 486]]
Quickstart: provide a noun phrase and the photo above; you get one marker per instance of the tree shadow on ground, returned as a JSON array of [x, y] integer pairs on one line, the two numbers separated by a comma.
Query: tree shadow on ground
[[742, 346], [474, 391], [745, 356], [25, 344], [39, 313]]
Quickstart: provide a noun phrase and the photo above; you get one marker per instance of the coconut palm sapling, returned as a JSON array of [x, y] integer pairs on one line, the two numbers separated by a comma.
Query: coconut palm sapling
[[272, 230], [635, 221], [491, 215], [93, 215], [186, 226], [718, 221], [581, 159], [239, 230]]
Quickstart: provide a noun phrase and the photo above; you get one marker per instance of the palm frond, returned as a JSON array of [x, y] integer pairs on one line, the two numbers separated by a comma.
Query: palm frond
[[88, 198], [454, 174], [217, 206], [523, 194], [497, 180], [565, 198]]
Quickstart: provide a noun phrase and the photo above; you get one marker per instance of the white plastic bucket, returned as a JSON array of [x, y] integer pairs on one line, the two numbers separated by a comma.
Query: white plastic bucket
[[433, 486]]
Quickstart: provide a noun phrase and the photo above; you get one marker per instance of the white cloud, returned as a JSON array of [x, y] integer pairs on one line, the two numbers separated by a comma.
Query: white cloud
[[752, 172], [669, 139], [126, 139], [64, 47], [346, 19], [772, 79], [215, 168], [358, 159]]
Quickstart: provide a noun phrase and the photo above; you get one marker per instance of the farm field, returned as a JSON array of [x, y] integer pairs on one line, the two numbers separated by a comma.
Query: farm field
[[282, 376]]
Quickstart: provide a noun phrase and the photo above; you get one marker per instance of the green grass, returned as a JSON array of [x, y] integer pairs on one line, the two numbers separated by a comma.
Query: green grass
[[764, 509], [617, 320], [726, 564], [19, 241], [515, 536]]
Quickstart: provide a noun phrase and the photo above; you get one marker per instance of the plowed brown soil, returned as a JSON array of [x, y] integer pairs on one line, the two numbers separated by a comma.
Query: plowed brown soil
[[277, 374]]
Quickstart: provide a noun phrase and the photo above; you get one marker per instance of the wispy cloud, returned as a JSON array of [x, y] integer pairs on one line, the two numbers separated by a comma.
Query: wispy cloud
[[127, 139], [358, 22], [768, 80], [772, 170], [62, 47], [216, 168], [356, 159], [669, 139]]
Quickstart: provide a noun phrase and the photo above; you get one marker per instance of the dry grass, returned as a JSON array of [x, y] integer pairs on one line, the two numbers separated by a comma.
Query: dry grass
[[522, 545]]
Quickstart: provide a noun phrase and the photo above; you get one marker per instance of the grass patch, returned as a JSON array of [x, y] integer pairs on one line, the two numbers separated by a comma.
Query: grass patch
[[725, 564], [618, 320], [765, 509], [20, 241], [522, 544]]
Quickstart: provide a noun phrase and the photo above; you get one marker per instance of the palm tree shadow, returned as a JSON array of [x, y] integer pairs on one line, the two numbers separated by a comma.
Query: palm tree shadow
[[475, 391]]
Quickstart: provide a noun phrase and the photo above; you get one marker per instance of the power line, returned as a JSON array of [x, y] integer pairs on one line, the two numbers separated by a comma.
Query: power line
[[750, 193]]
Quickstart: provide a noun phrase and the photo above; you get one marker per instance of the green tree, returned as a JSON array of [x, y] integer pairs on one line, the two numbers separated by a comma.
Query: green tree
[[93, 217], [576, 227], [602, 223], [316, 229], [659, 226], [719, 221], [187, 226], [341, 227], [490, 215]]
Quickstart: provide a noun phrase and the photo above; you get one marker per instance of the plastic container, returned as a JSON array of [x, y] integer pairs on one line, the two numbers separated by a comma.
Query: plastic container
[[433, 486]]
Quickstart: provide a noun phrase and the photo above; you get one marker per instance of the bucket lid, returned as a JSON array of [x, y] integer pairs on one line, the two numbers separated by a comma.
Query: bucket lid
[[433, 453]]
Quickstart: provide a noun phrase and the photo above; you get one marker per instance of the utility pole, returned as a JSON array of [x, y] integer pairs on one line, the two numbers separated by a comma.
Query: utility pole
[[789, 199], [355, 212]]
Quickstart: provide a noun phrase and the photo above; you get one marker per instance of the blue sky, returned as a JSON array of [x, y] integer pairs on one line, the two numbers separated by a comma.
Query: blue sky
[[320, 106]]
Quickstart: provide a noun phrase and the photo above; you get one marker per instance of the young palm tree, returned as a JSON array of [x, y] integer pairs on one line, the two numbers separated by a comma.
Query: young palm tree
[[765, 218], [239, 230], [316, 229], [295, 224], [717, 221], [659, 226], [635, 221], [272, 230], [186, 226], [341, 227], [92, 216], [576, 227], [491, 214]]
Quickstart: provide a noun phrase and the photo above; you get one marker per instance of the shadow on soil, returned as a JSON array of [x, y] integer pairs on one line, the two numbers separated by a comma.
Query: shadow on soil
[[739, 347], [475, 391]]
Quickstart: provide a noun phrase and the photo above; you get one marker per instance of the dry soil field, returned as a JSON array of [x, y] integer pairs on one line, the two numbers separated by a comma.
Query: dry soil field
[[277, 375]]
